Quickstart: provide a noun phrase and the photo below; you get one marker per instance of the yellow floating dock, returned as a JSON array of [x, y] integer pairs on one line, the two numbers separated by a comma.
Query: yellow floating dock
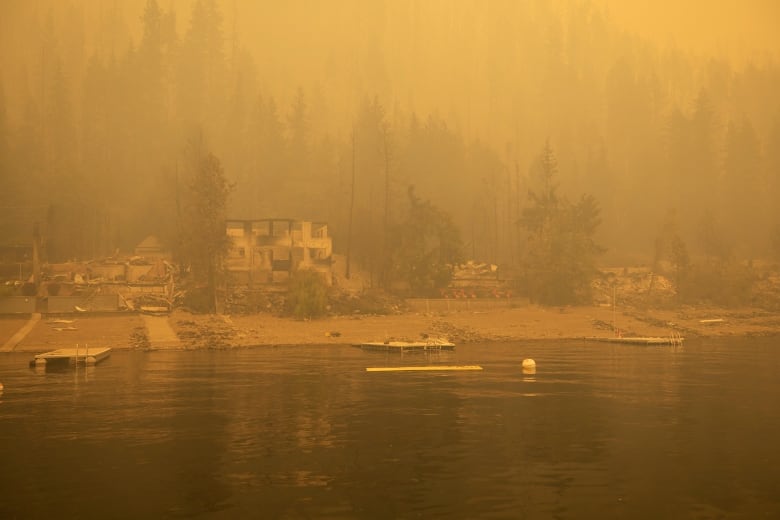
[[72, 356], [423, 368]]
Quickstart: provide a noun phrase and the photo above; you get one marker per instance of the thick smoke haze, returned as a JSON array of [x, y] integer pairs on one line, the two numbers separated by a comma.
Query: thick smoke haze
[[659, 111]]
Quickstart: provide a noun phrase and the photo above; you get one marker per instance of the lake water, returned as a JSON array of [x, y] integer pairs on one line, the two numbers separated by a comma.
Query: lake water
[[598, 431]]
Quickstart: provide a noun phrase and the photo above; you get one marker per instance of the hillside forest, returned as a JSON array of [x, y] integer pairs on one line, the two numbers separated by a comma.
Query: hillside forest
[[528, 131]]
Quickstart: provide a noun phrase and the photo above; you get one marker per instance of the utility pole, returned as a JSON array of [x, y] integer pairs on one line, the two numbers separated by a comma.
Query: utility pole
[[36, 255], [385, 254], [351, 205]]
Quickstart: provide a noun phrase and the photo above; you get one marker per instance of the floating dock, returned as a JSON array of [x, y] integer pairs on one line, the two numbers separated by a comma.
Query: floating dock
[[672, 340], [71, 357], [407, 346], [423, 368]]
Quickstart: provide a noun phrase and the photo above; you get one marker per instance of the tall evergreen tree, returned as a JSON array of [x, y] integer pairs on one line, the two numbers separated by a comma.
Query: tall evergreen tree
[[269, 156], [560, 253], [204, 240], [151, 72], [371, 186], [201, 88], [299, 131], [744, 185], [236, 136], [426, 246], [96, 128], [670, 249], [772, 167], [61, 132], [4, 134]]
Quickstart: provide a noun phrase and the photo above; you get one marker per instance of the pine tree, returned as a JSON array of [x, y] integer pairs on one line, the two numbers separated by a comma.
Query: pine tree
[[269, 164], [744, 185], [204, 241], [201, 89], [426, 246], [560, 253], [299, 136], [670, 248]]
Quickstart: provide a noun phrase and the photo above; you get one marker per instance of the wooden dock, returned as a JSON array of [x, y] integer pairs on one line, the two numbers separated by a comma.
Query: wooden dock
[[651, 340], [81, 355], [407, 346]]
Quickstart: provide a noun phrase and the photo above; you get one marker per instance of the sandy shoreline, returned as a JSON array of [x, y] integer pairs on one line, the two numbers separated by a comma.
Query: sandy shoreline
[[182, 330]]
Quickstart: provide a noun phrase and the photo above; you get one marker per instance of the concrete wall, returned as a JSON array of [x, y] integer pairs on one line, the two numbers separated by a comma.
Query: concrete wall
[[109, 271], [144, 289], [17, 305], [97, 302], [135, 272], [465, 304]]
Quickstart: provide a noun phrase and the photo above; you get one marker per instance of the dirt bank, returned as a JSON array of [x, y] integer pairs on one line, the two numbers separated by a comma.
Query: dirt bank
[[525, 323], [127, 331], [50, 333]]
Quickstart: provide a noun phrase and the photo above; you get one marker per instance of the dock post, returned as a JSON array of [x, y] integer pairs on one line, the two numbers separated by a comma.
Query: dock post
[[89, 361]]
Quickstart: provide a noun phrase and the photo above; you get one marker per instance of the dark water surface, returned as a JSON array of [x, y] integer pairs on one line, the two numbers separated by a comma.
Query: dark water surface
[[599, 431]]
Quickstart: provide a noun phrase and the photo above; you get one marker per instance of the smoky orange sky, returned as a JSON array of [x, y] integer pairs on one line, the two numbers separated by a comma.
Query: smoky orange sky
[[736, 28]]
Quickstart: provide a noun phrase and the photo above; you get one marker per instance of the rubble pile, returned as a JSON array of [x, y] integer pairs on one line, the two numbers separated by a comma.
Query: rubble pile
[[631, 287], [148, 301], [455, 334], [476, 280], [368, 302], [471, 270], [244, 301], [213, 333], [139, 338]]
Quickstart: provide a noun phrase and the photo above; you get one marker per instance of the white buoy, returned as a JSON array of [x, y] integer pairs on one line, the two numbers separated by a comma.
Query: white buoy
[[529, 363]]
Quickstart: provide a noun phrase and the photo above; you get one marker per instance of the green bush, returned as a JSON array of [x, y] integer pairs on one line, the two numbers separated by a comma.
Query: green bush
[[308, 295]]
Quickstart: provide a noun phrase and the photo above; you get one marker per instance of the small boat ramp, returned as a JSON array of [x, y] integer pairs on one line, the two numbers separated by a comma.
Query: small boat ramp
[[81, 355], [407, 346]]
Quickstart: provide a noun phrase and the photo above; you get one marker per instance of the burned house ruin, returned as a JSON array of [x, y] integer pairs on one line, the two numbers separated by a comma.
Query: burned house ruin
[[266, 251]]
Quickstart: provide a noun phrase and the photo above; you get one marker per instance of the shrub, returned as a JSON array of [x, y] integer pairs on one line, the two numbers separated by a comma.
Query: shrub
[[199, 300], [308, 295]]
